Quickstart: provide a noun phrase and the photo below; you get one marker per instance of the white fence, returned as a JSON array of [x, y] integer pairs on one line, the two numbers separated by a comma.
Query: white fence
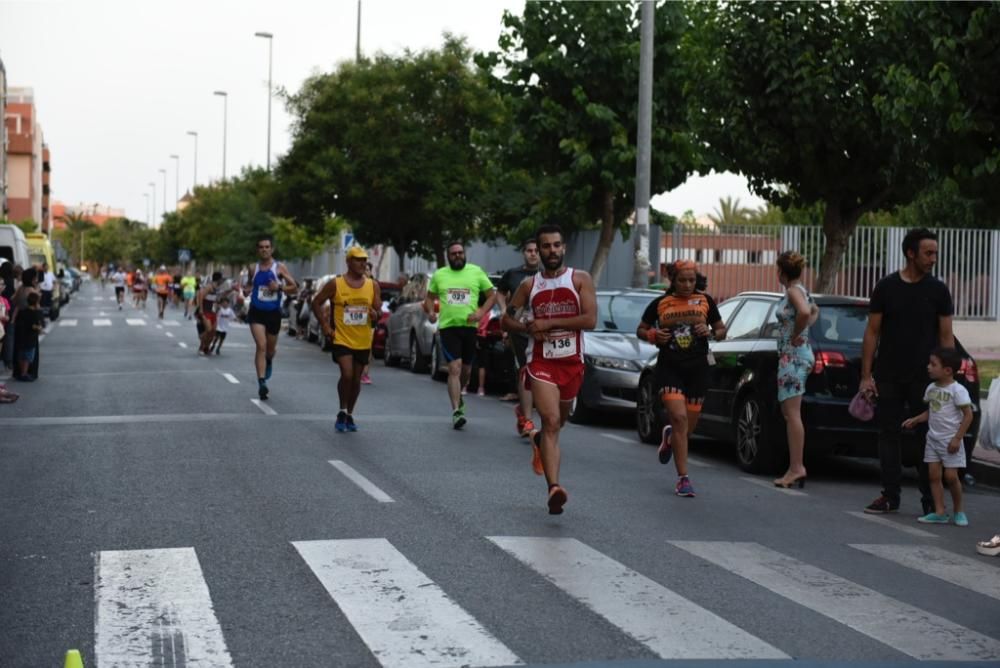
[[739, 258]]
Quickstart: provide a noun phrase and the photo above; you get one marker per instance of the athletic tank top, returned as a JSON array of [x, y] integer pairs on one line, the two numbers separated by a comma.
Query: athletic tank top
[[553, 298], [352, 327], [262, 298]]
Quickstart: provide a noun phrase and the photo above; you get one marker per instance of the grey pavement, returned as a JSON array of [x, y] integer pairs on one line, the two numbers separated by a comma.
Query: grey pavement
[[152, 514]]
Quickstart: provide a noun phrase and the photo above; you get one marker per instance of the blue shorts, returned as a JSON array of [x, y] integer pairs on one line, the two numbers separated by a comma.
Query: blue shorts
[[28, 354]]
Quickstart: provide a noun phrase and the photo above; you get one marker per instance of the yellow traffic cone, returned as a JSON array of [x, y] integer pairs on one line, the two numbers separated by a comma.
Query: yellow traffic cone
[[73, 659]]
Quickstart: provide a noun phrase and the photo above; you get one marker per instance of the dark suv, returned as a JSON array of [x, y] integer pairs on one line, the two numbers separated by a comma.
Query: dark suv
[[741, 404]]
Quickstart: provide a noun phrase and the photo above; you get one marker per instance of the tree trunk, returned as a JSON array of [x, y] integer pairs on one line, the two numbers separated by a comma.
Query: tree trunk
[[439, 248], [400, 249], [837, 229], [607, 237]]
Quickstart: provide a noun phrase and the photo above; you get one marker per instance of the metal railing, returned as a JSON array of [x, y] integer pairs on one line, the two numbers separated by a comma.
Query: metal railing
[[739, 258]]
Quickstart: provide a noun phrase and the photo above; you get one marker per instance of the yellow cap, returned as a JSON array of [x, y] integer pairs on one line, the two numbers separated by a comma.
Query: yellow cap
[[73, 659], [357, 252]]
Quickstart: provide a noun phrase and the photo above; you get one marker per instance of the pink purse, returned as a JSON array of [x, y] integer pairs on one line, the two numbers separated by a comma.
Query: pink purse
[[862, 407]]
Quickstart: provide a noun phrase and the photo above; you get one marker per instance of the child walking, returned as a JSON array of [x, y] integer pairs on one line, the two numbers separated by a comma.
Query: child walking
[[948, 417], [224, 316]]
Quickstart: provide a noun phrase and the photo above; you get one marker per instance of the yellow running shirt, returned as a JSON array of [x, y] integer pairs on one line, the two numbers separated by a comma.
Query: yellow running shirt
[[352, 326]]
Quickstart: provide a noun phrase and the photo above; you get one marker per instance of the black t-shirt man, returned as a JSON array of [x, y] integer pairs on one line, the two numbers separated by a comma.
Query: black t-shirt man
[[512, 279], [27, 325], [910, 325]]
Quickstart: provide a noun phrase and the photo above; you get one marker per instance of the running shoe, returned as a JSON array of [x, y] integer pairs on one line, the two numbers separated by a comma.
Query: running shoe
[[882, 505], [934, 518], [519, 427], [458, 419], [557, 499], [481, 392], [536, 453], [341, 424], [665, 453], [262, 392], [961, 520], [366, 379], [350, 424], [684, 487]]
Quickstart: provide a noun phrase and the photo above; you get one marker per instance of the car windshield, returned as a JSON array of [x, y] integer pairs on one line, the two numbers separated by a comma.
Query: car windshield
[[621, 313], [840, 323]]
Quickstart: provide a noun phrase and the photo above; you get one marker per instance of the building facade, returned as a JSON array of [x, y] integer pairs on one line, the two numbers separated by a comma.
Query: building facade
[[98, 214], [3, 142], [26, 159]]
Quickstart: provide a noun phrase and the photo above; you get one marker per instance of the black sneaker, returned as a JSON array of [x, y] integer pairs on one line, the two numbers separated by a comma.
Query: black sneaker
[[882, 505], [262, 392]]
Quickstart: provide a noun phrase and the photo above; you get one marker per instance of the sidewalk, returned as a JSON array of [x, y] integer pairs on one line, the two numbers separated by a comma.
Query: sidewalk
[[985, 466], [981, 338]]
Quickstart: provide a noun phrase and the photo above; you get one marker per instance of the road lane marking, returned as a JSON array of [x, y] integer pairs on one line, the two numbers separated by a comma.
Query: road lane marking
[[182, 344], [135, 322], [231, 378], [102, 322], [67, 323], [955, 569], [665, 622], [264, 408], [912, 631], [169, 334], [767, 484], [153, 608], [366, 485], [878, 519], [171, 323], [158, 326], [404, 618], [98, 299], [620, 439]]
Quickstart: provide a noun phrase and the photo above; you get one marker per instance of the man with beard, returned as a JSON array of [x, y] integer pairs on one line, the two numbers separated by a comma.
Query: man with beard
[[509, 284], [561, 303], [457, 288]]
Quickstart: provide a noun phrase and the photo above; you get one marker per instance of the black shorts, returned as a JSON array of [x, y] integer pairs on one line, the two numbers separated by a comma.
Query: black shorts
[[520, 343], [683, 380], [270, 319], [360, 356], [458, 343], [119, 289]]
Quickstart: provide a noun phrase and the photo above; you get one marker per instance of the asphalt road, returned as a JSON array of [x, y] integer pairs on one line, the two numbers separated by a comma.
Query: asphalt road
[[152, 514]]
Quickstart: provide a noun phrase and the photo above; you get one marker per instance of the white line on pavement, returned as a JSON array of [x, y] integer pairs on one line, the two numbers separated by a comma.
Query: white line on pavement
[[67, 323], [158, 326], [620, 439], [154, 608], [182, 344], [169, 334], [767, 484], [878, 519], [966, 572], [634, 603], [102, 322], [366, 485], [264, 408], [910, 630], [171, 323], [231, 378], [404, 618], [98, 299], [135, 322]]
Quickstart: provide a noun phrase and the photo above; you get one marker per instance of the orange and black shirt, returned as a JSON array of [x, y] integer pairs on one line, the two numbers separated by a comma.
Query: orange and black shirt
[[680, 315]]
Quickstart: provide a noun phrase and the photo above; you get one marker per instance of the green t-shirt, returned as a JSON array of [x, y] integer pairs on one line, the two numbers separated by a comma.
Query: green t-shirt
[[188, 283], [458, 292]]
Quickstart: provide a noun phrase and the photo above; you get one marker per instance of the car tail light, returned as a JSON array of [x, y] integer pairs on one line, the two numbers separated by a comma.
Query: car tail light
[[970, 370], [825, 359]]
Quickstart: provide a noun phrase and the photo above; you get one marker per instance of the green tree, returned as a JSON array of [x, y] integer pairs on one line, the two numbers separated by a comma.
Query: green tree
[[77, 225], [391, 145], [729, 212], [569, 74], [783, 91], [28, 226]]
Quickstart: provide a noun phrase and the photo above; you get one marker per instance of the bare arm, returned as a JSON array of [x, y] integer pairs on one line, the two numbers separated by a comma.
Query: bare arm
[[320, 299], [956, 442], [868, 346], [376, 301], [429, 306], [491, 298], [946, 334], [290, 285], [915, 420], [509, 323], [803, 312]]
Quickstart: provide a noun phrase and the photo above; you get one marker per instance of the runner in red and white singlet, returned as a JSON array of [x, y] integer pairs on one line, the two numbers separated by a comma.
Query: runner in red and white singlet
[[558, 304]]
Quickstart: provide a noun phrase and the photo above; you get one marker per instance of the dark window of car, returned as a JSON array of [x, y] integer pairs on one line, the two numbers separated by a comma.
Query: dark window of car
[[727, 308], [621, 313], [747, 322], [840, 323]]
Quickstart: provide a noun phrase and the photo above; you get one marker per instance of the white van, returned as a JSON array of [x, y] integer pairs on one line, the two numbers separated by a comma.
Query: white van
[[14, 245]]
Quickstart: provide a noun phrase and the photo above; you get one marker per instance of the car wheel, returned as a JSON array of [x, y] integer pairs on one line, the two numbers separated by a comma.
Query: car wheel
[[387, 357], [417, 362], [437, 373], [649, 416], [755, 451], [580, 414]]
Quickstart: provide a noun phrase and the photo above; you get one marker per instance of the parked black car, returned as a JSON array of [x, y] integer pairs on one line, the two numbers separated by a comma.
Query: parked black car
[[741, 405]]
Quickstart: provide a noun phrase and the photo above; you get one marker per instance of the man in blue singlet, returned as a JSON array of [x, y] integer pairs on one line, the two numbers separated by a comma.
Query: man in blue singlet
[[265, 284]]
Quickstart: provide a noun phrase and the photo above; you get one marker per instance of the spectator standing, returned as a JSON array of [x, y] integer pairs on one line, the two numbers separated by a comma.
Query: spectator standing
[[509, 282], [28, 287], [910, 315], [46, 284], [7, 292], [28, 325]]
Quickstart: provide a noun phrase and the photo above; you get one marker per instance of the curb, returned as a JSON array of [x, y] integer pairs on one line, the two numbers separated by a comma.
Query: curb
[[985, 473]]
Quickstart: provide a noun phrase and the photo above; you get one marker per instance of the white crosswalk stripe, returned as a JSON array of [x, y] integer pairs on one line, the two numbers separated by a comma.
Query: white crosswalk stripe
[[67, 322], [171, 323], [907, 629], [636, 604], [406, 620], [154, 609], [965, 572], [101, 322], [135, 322]]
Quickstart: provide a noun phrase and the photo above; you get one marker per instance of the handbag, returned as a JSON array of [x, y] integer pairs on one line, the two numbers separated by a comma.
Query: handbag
[[862, 407]]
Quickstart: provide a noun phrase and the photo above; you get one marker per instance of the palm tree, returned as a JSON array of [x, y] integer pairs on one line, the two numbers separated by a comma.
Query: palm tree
[[77, 225], [729, 212]]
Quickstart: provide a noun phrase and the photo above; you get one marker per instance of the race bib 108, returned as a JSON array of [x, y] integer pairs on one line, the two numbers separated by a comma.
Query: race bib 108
[[355, 315]]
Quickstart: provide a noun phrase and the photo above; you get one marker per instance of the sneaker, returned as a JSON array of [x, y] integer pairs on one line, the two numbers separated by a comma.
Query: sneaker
[[366, 379], [350, 424], [665, 452], [458, 419], [267, 370], [519, 427], [684, 487], [961, 520], [536, 453], [934, 518], [480, 393], [529, 427], [465, 391], [882, 505], [341, 424], [557, 499], [262, 392]]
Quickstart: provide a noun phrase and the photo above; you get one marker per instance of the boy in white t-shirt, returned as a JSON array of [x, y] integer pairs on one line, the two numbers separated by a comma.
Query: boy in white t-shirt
[[948, 417], [224, 315]]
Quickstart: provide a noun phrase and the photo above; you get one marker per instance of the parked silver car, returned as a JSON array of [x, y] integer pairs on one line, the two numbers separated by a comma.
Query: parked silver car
[[409, 332]]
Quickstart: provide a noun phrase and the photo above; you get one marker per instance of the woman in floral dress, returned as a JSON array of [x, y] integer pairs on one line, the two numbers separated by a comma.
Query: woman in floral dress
[[795, 312]]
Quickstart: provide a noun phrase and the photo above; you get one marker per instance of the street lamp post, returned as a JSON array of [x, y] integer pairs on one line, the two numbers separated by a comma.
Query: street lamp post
[[194, 181], [146, 195], [152, 184], [164, 172], [225, 119], [177, 178], [270, 45]]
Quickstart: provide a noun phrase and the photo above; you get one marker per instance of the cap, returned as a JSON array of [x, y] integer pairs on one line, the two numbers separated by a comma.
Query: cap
[[356, 252]]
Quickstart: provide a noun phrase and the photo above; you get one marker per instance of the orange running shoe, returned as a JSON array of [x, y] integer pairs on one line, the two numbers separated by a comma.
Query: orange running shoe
[[527, 428], [557, 499], [519, 414], [536, 453]]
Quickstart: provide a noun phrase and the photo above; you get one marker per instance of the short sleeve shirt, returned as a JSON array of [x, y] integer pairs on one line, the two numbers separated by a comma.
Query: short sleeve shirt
[[945, 407], [680, 315], [512, 279], [910, 329], [458, 292]]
